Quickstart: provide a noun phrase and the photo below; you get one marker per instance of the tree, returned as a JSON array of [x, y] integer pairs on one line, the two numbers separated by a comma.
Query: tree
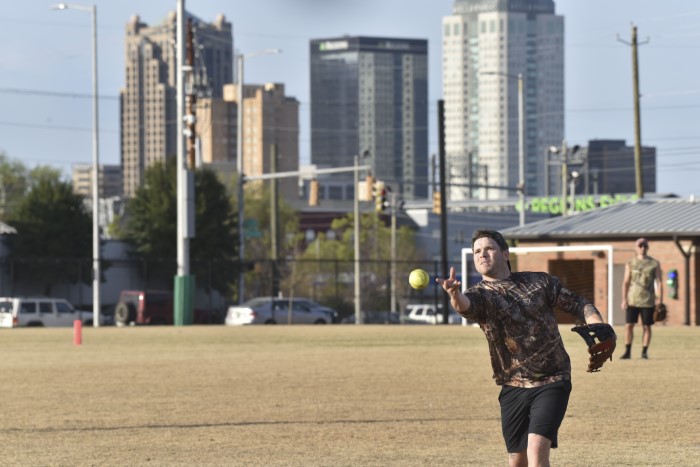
[[258, 209], [13, 185], [151, 223], [317, 275], [52, 224]]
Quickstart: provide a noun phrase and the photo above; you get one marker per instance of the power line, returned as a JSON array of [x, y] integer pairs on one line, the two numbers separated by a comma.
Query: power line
[[72, 95]]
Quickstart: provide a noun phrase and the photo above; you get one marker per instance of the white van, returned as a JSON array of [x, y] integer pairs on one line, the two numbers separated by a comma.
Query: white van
[[49, 312], [427, 314]]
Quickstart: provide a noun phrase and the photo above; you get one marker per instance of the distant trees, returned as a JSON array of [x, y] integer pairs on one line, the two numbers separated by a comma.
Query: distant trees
[[258, 218], [14, 180], [150, 223], [54, 238], [52, 224], [316, 274]]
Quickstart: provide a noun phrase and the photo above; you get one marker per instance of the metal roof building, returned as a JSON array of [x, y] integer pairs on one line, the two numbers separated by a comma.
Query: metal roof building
[[671, 225], [651, 218]]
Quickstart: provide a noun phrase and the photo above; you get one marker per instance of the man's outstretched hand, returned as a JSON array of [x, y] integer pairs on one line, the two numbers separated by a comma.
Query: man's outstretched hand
[[451, 284]]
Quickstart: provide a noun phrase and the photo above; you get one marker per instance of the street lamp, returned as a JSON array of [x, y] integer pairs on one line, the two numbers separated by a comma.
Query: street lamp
[[356, 226], [521, 140], [550, 150], [95, 162], [239, 163], [575, 174]]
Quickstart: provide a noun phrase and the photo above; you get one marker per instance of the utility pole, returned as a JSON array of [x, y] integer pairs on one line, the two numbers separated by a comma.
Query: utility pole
[[564, 176], [394, 207], [190, 98], [274, 223], [639, 180], [521, 148], [443, 208], [184, 281]]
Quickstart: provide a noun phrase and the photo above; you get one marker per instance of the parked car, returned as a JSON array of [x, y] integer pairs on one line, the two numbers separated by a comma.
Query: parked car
[[40, 311], [375, 317], [272, 310], [144, 307], [333, 315], [428, 314], [152, 307]]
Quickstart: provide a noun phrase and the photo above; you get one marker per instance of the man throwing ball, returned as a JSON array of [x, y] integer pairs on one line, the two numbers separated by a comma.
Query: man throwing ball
[[515, 310]]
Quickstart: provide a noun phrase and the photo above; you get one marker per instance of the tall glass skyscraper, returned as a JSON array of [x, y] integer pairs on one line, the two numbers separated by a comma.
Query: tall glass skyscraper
[[486, 45], [371, 94]]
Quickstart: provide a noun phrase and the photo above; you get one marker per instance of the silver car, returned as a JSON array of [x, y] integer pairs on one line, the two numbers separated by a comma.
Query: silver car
[[332, 314], [269, 310]]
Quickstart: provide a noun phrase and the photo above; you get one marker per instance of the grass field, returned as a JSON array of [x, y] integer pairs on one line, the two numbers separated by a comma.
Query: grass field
[[323, 395]]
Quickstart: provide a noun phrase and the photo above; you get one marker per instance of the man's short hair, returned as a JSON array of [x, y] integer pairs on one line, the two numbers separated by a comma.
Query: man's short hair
[[495, 236], [492, 234]]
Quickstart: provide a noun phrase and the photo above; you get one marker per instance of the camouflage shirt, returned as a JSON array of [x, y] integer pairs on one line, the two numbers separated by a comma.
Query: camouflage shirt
[[642, 276], [517, 316]]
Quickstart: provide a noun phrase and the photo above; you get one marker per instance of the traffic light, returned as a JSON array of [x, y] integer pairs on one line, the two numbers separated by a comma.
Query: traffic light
[[672, 283], [437, 202], [379, 192], [369, 187], [313, 192]]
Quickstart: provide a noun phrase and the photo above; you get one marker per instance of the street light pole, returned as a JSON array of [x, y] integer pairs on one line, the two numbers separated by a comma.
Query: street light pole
[[356, 235], [521, 149], [564, 176], [356, 240], [394, 206], [241, 181], [241, 58], [547, 163], [521, 139], [95, 162], [572, 189]]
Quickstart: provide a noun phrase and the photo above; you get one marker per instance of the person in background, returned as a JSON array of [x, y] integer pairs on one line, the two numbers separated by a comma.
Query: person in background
[[642, 289]]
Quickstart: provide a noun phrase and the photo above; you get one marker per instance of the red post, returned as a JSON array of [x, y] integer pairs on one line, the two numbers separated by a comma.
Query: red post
[[77, 332]]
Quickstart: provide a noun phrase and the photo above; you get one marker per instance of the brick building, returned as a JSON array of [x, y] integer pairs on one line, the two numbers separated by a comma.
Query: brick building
[[672, 227]]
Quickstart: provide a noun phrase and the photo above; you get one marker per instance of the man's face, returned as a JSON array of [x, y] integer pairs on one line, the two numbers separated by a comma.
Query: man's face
[[489, 260]]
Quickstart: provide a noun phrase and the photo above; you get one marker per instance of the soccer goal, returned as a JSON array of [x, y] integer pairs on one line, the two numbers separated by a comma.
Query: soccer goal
[[467, 264]]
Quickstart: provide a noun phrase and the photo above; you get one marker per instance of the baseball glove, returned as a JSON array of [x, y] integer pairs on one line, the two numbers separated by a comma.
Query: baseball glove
[[601, 339], [660, 312]]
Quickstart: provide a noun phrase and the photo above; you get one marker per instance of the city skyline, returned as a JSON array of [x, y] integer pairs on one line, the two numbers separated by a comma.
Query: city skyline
[[500, 60], [46, 70]]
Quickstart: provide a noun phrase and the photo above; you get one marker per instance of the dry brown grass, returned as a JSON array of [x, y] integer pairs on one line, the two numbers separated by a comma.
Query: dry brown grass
[[322, 395]]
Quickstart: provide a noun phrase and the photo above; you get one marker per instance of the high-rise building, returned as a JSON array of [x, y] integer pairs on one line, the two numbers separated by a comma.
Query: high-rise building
[[609, 168], [486, 45], [148, 102], [216, 130], [109, 180], [370, 94], [269, 118]]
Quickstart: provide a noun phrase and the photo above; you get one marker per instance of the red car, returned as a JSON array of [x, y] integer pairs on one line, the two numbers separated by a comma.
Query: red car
[[151, 307]]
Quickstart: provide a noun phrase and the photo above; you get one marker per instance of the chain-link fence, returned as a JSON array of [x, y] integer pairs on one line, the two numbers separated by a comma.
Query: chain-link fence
[[329, 282]]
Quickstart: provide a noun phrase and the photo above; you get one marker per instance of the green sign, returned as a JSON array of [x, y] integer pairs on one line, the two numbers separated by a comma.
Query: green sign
[[251, 228], [553, 204]]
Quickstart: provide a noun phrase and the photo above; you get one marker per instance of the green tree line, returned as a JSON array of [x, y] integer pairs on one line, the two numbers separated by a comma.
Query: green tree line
[[53, 222]]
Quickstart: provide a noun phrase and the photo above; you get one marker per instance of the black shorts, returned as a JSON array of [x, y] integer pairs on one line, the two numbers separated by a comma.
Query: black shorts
[[537, 410], [633, 313]]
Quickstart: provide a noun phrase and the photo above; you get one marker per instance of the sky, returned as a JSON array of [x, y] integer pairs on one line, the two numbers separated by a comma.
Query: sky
[[46, 69]]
